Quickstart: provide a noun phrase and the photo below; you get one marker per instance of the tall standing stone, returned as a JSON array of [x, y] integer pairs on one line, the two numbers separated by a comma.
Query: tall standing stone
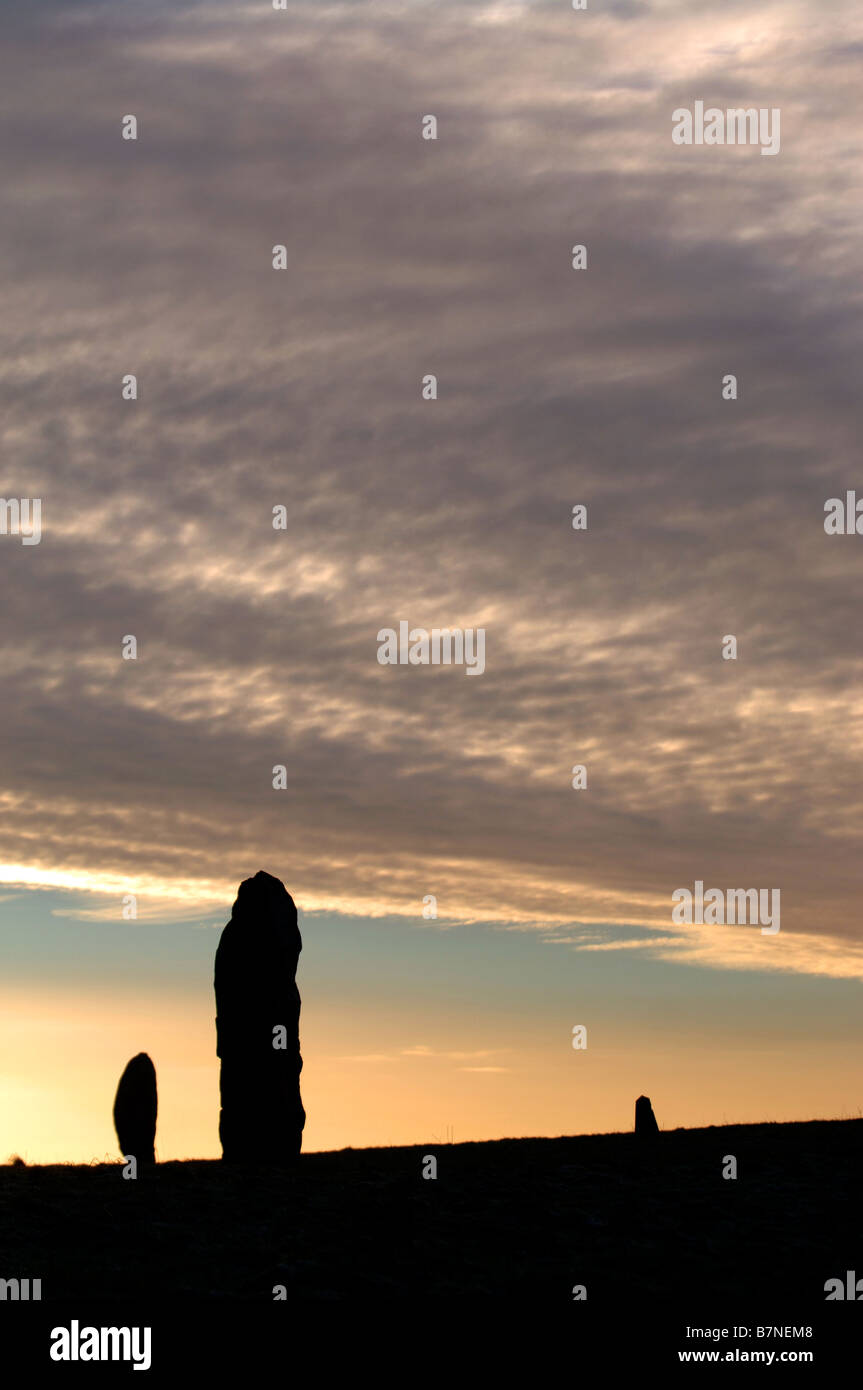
[[135, 1110], [258, 1026], [645, 1120]]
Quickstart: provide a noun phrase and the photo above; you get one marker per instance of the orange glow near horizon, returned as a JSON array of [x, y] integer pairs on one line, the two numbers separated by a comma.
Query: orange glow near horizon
[[361, 1092]]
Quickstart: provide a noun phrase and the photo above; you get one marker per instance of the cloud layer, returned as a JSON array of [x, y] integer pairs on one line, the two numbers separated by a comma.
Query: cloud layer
[[303, 388]]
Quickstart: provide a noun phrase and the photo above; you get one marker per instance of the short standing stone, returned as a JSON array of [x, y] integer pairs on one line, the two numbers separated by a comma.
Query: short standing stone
[[135, 1110], [258, 1026]]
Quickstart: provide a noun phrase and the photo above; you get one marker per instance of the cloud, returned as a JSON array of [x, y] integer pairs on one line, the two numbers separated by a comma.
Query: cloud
[[422, 1051], [366, 1057], [302, 388]]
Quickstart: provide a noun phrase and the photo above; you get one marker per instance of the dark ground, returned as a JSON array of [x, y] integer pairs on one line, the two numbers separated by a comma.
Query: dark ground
[[636, 1222]]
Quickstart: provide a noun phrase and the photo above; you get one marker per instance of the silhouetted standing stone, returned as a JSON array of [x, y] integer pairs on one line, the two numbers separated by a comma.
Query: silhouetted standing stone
[[645, 1120], [135, 1109], [262, 1115]]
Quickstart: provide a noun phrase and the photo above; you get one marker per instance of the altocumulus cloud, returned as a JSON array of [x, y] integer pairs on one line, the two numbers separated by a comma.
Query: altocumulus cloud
[[302, 388]]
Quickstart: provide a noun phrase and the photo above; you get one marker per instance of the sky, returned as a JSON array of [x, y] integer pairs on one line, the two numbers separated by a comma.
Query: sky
[[258, 647]]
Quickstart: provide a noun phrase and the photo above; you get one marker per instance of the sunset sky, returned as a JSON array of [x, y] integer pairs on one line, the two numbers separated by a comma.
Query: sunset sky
[[258, 647]]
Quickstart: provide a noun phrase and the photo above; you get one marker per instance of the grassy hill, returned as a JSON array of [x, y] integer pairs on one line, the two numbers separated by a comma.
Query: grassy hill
[[638, 1223]]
